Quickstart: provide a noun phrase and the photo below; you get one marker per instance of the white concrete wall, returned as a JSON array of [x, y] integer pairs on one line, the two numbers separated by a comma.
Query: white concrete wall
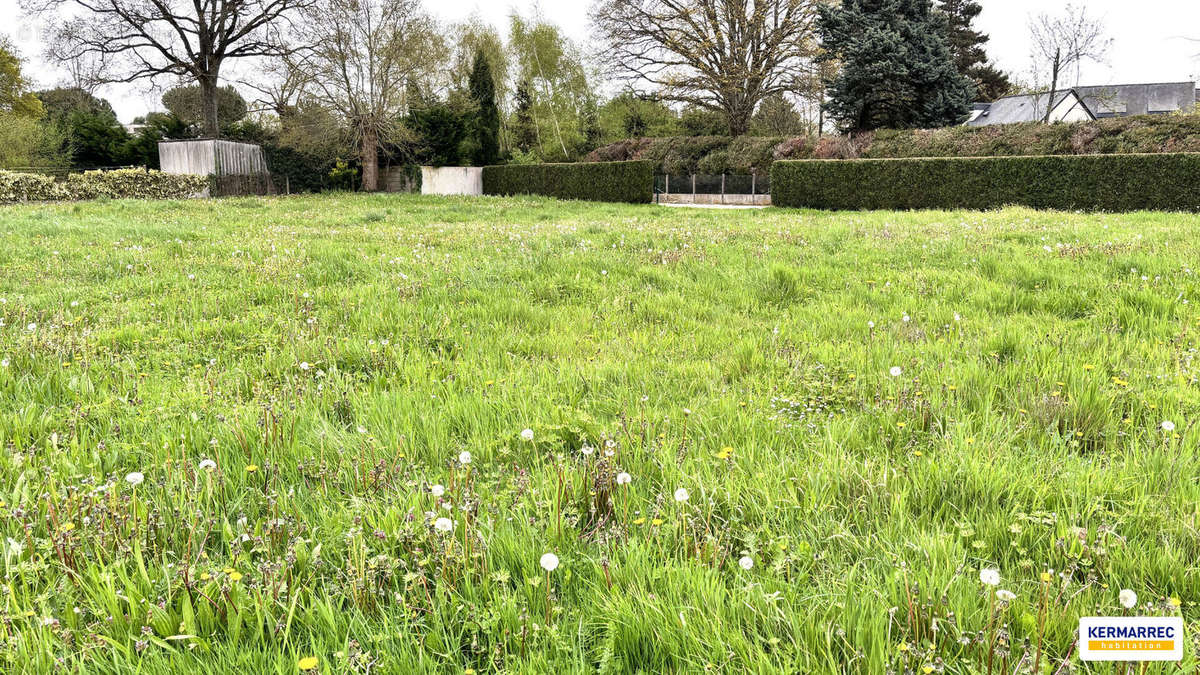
[[451, 180]]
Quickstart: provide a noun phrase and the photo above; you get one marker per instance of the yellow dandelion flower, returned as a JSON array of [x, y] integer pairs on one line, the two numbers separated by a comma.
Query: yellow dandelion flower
[[236, 576], [67, 527], [639, 521], [1046, 577], [1175, 602], [656, 521], [307, 663], [251, 468]]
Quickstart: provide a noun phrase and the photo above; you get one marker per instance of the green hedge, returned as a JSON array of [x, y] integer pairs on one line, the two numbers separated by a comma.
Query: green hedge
[[748, 154], [631, 182], [120, 184], [1163, 182]]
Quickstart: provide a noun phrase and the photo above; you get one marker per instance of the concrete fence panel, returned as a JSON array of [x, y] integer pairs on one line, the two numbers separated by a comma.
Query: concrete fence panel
[[451, 180]]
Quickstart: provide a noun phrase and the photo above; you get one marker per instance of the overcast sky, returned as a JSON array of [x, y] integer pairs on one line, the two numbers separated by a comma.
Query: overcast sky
[[1150, 38]]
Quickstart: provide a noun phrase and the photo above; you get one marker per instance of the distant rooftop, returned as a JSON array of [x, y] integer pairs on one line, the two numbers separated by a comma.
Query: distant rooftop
[[1109, 100]]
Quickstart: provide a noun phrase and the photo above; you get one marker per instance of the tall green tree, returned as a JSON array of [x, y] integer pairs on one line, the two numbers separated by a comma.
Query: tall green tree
[[897, 69], [557, 83], [487, 114], [15, 94], [967, 44], [524, 126], [97, 138], [188, 104]]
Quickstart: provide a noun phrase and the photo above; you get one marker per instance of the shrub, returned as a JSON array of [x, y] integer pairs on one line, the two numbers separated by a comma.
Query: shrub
[[1162, 182], [602, 181], [1174, 133], [26, 187], [120, 184]]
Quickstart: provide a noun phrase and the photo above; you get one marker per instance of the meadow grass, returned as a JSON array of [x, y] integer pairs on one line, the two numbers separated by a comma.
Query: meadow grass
[[230, 426]]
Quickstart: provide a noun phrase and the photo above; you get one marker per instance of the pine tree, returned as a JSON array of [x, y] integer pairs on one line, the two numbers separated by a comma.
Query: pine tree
[[487, 115], [969, 55], [525, 133], [897, 70]]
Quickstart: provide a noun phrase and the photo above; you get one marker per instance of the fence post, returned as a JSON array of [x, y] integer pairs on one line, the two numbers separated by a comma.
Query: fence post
[[693, 188], [753, 187], [722, 188], [667, 191]]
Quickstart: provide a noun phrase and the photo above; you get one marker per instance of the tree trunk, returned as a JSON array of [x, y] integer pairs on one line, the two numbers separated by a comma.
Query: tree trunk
[[208, 101], [739, 122], [1053, 85], [370, 160]]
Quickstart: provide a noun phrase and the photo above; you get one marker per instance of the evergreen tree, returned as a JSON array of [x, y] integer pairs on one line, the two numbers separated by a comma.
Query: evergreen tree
[[897, 70], [967, 45], [525, 134], [487, 115], [97, 139]]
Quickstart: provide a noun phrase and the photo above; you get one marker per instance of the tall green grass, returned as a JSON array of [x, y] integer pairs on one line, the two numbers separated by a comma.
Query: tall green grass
[[331, 357]]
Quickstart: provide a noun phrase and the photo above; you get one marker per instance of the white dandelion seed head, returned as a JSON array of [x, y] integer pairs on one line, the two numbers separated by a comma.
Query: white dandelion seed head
[[31, 327], [304, 365], [1006, 595], [681, 495], [4, 363], [1128, 598], [587, 450], [443, 524], [1168, 425], [464, 457], [624, 478], [746, 562], [134, 478], [527, 435], [438, 490], [549, 562], [207, 465], [896, 371], [989, 576]]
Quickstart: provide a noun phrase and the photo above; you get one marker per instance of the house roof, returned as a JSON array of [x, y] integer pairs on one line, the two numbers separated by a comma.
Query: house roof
[[1139, 99], [1110, 100], [1021, 108]]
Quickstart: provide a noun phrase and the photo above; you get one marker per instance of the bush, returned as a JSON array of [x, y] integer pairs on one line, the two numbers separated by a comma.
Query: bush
[[631, 182], [120, 184], [1162, 182], [747, 154]]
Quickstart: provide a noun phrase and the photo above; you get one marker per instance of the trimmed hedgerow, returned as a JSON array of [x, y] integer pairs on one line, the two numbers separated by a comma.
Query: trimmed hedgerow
[[1162, 182], [120, 184], [631, 182], [747, 154]]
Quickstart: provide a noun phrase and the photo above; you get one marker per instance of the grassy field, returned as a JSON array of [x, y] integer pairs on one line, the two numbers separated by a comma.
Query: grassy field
[[231, 429]]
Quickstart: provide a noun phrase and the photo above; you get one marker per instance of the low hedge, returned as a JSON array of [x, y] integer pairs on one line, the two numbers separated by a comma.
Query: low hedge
[[1161, 182], [119, 184], [631, 182]]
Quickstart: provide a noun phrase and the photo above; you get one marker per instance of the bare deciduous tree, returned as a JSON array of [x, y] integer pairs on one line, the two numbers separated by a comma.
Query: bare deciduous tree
[[360, 57], [128, 40], [1062, 42], [724, 55]]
